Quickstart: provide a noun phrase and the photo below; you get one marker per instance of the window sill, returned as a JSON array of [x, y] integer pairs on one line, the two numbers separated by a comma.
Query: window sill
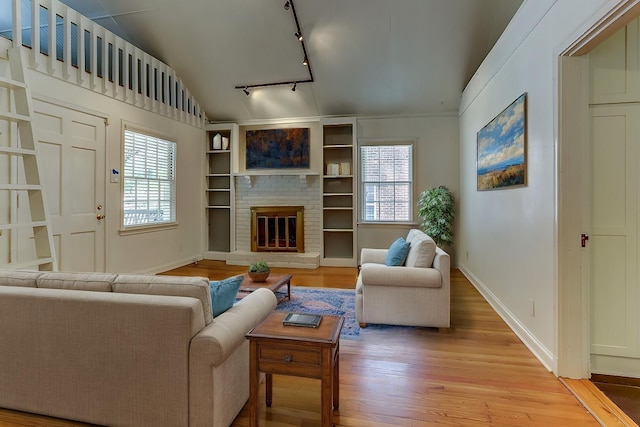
[[388, 224], [147, 229]]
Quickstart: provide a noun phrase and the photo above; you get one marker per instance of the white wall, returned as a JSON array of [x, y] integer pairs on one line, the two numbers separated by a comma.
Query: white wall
[[152, 251], [436, 163], [507, 238]]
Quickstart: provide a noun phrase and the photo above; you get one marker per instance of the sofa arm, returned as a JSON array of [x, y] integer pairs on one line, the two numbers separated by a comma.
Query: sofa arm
[[373, 256], [382, 275], [227, 332]]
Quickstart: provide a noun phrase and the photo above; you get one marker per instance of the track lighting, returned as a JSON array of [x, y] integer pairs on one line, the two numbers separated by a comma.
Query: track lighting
[[246, 88]]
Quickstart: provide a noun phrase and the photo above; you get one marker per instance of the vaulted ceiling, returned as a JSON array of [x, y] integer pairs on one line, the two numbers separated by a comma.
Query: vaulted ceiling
[[368, 57]]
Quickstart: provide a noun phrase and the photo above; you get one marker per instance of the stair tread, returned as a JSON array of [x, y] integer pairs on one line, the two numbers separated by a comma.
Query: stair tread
[[14, 116]]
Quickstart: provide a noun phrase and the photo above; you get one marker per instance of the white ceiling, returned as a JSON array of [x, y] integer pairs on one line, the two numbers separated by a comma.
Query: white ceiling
[[368, 57]]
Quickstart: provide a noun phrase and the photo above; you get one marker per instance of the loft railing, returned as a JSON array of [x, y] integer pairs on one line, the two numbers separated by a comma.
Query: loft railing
[[71, 47]]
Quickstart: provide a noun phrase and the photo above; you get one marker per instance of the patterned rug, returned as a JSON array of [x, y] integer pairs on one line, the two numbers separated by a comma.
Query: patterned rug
[[340, 302]]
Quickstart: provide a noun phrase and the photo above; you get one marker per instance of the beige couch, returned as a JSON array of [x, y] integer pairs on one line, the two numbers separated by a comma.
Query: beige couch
[[415, 294], [124, 350]]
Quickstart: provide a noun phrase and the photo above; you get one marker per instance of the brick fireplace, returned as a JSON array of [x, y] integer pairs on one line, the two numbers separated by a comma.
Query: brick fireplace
[[278, 191]]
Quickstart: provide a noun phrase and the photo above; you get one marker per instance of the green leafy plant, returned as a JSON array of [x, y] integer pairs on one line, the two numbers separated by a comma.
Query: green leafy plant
[[259, 267], [436, 211]]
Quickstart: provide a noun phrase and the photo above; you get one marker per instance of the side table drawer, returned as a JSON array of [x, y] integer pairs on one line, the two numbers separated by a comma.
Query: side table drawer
[[285, 360]]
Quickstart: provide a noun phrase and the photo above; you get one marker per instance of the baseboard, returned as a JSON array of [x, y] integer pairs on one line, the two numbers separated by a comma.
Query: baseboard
[[171, 265], [533, 344], [309, 260]]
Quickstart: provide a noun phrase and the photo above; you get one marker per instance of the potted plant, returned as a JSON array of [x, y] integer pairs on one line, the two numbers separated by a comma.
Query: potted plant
[[259, 271], [436, 212]]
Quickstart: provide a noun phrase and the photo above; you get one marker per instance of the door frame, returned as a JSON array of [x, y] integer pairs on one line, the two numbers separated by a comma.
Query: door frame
[[572, 358]]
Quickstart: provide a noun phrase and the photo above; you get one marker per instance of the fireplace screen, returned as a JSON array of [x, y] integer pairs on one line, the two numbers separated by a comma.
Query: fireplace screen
[[277, 228]]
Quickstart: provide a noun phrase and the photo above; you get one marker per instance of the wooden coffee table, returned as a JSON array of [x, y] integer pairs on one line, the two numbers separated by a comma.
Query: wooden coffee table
[[273, 283], [297, 351]]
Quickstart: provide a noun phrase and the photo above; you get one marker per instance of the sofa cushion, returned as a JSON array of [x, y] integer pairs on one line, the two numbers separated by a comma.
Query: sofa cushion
[[422, 250], [194, 287], [397, 252], [24, 279], [223, 293], [99, 282]]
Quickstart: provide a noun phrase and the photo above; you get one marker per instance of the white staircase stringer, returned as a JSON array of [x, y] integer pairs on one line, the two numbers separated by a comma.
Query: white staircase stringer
[[21, 150]]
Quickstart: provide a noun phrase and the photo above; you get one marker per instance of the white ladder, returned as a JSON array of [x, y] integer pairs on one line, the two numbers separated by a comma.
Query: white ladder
[[28, 242]]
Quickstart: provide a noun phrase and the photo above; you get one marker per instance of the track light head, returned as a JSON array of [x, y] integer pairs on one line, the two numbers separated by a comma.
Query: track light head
[[246, 91], [306, 61], [293, 89], [287, 5], [299, 36]]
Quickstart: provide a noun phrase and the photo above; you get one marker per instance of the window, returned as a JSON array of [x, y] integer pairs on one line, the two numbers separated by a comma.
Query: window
[[149, 180], [387, 172]]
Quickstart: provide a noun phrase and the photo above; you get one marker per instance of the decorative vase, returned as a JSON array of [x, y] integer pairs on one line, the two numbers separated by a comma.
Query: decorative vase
[[259, 276]]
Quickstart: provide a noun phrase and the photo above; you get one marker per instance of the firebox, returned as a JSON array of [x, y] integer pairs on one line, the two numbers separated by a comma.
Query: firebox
[[277, 229]]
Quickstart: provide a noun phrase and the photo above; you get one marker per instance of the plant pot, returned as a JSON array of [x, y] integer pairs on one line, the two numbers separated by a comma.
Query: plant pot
[[259, 276]]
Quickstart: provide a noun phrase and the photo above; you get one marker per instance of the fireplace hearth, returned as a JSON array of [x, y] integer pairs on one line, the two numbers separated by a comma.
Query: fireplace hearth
[[277, 229]]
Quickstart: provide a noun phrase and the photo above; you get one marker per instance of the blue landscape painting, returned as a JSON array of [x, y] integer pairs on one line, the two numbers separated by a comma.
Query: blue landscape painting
[[502, 148], [277, 148]]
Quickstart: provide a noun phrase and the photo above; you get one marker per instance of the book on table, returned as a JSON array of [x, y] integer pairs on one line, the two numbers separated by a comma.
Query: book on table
[[302, 319]]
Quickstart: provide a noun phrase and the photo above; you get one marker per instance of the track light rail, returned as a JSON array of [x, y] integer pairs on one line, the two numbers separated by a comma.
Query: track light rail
[[298, 34]]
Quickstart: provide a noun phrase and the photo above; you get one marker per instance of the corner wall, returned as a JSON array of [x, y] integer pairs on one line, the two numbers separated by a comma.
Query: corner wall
[[155, 250], [436, 163], [508, 238]]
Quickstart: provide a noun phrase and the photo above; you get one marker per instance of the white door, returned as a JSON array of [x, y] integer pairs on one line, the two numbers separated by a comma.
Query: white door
[[71, 146], [613, 243]]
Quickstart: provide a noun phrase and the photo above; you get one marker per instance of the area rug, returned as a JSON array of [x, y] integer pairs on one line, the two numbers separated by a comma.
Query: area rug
[[340, 302]]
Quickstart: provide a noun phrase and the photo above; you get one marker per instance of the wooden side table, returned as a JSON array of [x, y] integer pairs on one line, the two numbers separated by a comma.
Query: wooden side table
[[297, 351]]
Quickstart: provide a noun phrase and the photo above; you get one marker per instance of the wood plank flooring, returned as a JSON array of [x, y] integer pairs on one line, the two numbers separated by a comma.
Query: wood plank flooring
[[477, 373]]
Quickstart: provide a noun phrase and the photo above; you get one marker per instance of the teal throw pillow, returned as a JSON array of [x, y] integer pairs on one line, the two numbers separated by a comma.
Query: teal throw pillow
[[223, 293], [397, 252]]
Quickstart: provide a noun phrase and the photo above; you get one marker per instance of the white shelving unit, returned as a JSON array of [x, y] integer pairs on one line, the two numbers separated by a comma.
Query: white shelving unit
[[220, 192], [339, 183]]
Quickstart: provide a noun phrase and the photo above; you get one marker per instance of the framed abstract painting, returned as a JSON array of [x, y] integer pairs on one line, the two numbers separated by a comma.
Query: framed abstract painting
[[277, 148]]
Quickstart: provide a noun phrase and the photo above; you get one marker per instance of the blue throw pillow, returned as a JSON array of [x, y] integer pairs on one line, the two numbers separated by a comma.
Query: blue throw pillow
[[223, 293], [397, 252]]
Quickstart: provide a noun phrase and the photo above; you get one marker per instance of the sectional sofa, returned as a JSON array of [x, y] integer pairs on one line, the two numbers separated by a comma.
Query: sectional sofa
[[124, 349]]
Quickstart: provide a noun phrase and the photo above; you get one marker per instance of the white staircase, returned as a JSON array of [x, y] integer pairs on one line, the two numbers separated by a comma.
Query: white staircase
[[26, 241]]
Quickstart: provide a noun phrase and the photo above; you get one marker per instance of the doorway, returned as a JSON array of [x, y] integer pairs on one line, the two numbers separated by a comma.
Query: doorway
[[71, 145], [574, 193]]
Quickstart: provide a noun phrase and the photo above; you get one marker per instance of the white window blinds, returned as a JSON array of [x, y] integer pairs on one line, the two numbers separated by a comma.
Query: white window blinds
[[149, 180], [386, 182]]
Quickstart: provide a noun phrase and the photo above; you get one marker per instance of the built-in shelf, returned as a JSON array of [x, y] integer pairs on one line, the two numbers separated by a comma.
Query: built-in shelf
[[220, 190], [338, 192], [275, 172]]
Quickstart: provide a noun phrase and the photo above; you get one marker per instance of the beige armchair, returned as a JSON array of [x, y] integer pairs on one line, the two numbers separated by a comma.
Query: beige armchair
[[414, 294]]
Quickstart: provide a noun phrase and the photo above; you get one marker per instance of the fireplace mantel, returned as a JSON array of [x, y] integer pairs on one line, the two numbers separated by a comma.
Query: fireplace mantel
[[250, 177]]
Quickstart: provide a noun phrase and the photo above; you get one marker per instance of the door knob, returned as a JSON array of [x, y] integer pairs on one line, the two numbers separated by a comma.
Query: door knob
[[100, 217]]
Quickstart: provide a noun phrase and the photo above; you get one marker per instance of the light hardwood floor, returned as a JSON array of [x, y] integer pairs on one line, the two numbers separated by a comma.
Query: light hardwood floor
[[477, 373]]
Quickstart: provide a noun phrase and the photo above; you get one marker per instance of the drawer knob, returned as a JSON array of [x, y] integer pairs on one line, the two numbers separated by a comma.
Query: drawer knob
[[288, 358]]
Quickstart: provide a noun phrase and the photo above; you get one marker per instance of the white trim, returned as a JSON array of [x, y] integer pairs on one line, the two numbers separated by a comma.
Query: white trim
[[519, 28], [571, 129], [543, 354]]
